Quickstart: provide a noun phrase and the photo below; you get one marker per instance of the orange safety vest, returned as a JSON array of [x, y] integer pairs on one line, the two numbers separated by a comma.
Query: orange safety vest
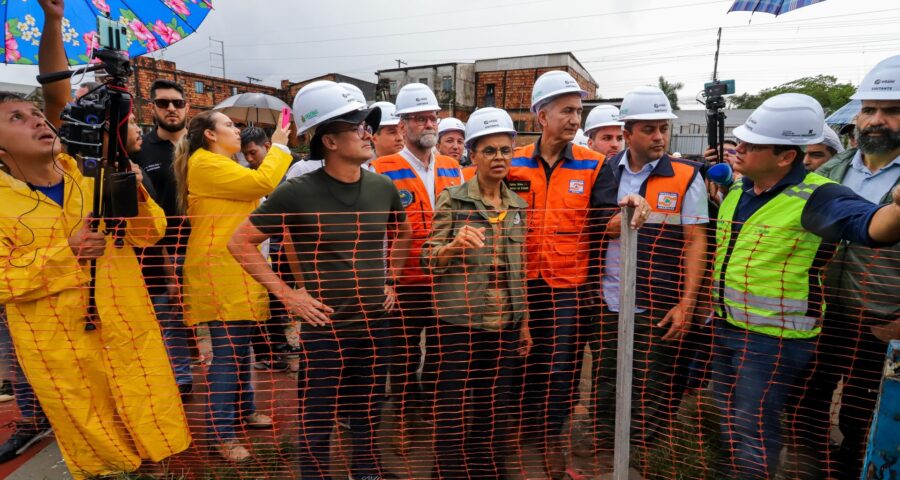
[[468, 172], [661, 242], [558, 242], [415, 200]]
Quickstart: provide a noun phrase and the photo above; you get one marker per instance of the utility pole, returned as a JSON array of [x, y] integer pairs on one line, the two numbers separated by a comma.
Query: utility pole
[[252, 79], [220, 54], [400, 63]]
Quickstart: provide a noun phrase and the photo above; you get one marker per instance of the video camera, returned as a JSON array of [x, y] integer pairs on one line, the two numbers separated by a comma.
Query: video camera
[[715, 92], [103, 112]]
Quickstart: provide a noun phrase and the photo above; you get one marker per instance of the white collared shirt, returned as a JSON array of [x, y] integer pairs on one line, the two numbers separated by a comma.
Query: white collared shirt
[[425, 171]]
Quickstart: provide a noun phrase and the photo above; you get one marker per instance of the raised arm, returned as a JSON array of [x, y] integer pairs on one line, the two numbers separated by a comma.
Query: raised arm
[[52, 58]]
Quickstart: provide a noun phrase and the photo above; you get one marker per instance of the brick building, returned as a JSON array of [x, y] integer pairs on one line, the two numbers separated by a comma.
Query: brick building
[[507, 83], [202, 91], [289, 89], [453, 85]]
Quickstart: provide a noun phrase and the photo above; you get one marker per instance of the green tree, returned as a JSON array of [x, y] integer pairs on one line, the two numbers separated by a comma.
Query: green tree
[[671, 90], [824, 88]]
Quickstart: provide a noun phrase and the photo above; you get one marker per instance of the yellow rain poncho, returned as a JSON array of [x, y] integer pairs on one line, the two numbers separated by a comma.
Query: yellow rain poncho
[[110, 393], [221, 195]]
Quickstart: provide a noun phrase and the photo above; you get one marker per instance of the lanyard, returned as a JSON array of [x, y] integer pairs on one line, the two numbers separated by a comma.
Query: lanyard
[[499, 218]]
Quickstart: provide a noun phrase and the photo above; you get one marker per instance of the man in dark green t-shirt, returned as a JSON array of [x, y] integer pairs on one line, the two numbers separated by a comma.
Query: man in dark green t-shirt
[[336, 219]]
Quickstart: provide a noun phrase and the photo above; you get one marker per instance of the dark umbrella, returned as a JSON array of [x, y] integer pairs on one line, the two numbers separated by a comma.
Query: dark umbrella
[[775, 7], [845, 114], [252, 107]]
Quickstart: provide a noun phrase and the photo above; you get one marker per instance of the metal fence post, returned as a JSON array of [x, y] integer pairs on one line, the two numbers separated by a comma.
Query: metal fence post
[[625, 350]]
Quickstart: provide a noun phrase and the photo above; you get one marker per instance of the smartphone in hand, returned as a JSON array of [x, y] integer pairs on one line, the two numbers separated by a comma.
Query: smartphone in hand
[[285, 117]]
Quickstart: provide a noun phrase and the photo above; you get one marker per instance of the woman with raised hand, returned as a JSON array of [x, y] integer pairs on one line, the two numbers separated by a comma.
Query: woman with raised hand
[[218, 194], [477, 255]]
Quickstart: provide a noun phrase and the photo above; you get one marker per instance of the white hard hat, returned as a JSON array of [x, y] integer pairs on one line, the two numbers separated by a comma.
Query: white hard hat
[[882, 82], [357, 93], [415, 98], [580, 138], [553, 84], [786, 119], [602, 116], [646, 103], [320, 101], [451, 124], [832, 139], [488, 121], [388, 113]]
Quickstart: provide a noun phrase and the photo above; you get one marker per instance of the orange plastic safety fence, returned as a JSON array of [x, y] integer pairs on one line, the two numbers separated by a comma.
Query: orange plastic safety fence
[[504, 366]]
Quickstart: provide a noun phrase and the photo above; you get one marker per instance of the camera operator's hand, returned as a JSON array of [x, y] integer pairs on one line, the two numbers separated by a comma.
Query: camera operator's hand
[[138, 173], [281, 135], [53, 9], [87, 244]]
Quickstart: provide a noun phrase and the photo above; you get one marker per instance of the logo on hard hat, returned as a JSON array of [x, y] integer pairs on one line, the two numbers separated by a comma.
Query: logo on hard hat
[[309, 115], [421, 99], [491, 122]]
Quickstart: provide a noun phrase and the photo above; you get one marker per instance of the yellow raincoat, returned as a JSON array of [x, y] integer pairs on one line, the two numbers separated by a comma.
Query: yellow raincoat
[[109, 394], [221, 195]]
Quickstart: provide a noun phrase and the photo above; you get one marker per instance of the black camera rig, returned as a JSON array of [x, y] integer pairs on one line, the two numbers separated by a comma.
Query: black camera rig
[[102, 112]]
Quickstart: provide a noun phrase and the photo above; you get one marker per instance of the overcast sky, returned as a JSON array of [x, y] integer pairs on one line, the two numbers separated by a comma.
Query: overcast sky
[[623, 43]]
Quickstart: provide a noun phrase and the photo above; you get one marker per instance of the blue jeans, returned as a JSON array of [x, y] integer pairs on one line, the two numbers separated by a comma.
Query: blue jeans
[[27, 402], [230, 388], [752, 377], [343, 376], [175, 336], [553, 365]]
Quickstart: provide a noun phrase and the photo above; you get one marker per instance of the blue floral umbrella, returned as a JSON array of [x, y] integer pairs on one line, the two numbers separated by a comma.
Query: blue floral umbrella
[[151, 25], [775, 7]]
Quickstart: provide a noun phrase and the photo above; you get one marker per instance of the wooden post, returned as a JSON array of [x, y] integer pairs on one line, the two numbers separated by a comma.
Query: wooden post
[[625, 350]]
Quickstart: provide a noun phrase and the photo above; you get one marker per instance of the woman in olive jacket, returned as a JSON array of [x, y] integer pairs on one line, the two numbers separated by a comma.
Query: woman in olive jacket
[[476, 253]]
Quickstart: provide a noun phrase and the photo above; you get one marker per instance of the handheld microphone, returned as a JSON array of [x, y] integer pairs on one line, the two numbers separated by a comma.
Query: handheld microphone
[[721, 174]]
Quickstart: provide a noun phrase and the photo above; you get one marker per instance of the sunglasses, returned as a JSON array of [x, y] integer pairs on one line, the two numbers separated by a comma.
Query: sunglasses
[[165, 102]]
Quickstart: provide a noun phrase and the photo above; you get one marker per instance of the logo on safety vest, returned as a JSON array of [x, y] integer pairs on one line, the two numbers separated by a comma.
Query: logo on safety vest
[[407, 198], [667, 201], [576, 186]]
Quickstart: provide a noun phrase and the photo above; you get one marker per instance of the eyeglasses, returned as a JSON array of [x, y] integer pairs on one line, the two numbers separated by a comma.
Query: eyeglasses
[[361, 130], [165, 102], [491, 153], [421, 119], [753, 147]]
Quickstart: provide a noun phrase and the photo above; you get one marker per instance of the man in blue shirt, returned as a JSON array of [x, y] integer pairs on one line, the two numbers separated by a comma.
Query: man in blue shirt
[[671, 262], [862, 284], [772, 242]]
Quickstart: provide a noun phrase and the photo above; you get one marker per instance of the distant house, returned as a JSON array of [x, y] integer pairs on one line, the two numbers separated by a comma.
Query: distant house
[[289, 89], [30, 92], [689, 135]]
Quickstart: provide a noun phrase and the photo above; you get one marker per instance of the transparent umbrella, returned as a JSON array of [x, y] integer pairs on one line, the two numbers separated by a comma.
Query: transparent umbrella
[[252, 107]]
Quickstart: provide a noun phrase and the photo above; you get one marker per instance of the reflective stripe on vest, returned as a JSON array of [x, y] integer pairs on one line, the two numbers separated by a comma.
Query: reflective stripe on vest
[[768, 273], [558, 243], [415, 199]]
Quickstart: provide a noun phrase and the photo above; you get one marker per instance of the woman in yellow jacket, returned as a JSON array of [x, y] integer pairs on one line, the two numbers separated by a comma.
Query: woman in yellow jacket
[[218, 194], [109, 393]]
